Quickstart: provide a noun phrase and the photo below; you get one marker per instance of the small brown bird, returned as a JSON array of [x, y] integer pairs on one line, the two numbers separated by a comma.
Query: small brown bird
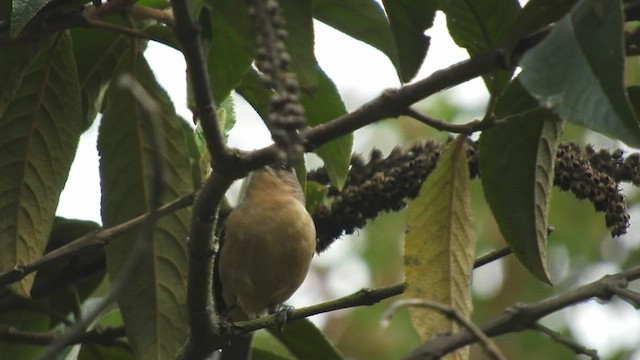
[[265, 252]]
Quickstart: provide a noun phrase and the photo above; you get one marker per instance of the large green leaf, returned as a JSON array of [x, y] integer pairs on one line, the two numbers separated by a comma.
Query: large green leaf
[[534, 16], [320, 107], [409, 19], [40, 123], [25, 320], [517, 175], [22, 11], [299, 26], [153, 302], [479, 26], [440, 245], [70, 281], [232, 46], [577, 71], [305, 341], [361, 19], [14, 62], [98, 52]]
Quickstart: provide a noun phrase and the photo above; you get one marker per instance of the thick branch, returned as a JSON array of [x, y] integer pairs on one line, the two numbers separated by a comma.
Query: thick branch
[[203, 329], [522, 317]]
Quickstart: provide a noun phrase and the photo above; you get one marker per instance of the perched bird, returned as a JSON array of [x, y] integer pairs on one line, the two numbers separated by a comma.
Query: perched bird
[[265, 251]]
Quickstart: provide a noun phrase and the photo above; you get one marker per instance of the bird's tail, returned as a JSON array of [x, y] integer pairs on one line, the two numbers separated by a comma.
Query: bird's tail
[[238, 348]]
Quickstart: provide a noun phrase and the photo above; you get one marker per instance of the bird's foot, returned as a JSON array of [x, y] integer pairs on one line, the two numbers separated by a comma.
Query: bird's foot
[[282, 315]]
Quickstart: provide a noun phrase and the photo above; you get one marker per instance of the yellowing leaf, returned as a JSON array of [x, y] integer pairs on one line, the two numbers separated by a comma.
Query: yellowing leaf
[[440, 245]]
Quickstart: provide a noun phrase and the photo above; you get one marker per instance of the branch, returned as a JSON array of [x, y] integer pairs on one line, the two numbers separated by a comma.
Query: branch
[[364, 297], [487, 344], [492, 256], [521, 317], [163, 16], [104, 336], [87, 18], [90, 240], [203, 330], [572, 345], [468, 128]]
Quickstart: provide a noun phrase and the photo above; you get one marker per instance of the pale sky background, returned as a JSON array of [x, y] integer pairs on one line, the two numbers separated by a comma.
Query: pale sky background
[[351, 64]]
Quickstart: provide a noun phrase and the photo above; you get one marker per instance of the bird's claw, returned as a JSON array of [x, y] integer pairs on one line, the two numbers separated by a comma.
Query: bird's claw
[[282, 315]]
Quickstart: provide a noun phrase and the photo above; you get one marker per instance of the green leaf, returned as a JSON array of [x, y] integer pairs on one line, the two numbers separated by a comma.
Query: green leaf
[[577, 71], [229, 108], [232, 46], [479, 26], [257, 95], [194, 152], [316, 195], [98, 52], [440, 243], [305, 341], [535, 15], [163, 34], [25, 320], [71, 280], [361, 19], [14, 62], [299, 26], [95, 351], [409, 19], [517, 159], [22, 12], [89, 351], [156, 4], [40, 123], [321, 106], [153, 302], [263, 354]]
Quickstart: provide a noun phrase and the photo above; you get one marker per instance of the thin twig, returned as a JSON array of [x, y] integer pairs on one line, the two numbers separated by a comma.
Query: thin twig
[[150, 114], [520, 317], [492, 256], [163, 16], [629, 296], [37, 307], [557, 337], [91, 240], [486, 343], [468, 128], [105, 25], [364, 297], [105, 336]]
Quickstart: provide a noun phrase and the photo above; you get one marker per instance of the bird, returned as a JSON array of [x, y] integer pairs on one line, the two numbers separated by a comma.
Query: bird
[[265, 251]]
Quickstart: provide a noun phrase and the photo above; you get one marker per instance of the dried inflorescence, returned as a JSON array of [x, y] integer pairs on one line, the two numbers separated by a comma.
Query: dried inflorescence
[[588, 175], [382, 184], [286, 114], [614, 163], [385, 184]]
